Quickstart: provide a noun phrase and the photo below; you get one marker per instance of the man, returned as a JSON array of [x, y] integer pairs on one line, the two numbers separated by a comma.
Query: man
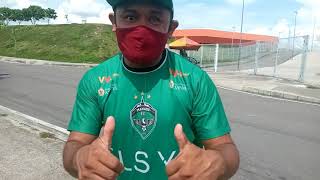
[[148, 113]]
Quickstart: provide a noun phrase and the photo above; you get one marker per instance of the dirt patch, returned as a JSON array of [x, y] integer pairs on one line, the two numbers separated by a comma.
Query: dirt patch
[[45, 135], [3, 115], [312, 87]]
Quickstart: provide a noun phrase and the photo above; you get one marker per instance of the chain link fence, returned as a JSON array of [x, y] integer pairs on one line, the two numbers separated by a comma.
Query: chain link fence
[[315, 45], [287, 59], [222, 55], [259, 58]]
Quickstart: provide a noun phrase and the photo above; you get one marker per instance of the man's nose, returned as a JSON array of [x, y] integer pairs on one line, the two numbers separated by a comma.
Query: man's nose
[[144, 21]]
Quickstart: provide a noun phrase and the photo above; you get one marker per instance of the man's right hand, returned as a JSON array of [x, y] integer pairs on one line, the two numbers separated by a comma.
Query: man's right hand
[[95, 161]]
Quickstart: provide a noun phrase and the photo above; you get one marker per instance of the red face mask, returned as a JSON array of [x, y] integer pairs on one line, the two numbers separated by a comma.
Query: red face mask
[[141, 45]]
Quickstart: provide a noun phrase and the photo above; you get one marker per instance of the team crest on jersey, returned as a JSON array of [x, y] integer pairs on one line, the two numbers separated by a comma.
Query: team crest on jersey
[[143, 118]]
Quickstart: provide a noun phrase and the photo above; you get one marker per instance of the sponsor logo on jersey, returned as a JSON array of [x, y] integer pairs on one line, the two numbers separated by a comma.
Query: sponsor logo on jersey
[[176, 73], [115, 75], [143, 118], [171, 84], [108, 79], [101, 92], [177, 86], [141, 160], [104, 79]]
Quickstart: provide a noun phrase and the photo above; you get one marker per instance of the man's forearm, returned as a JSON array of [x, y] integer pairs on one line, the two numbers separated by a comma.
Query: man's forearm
[[70, 150], [230, 154]]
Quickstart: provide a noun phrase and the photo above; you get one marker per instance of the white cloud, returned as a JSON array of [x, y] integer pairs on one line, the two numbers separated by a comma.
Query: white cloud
[[103, 17], [20, 4], [85, 8], [260, 30], [78, 10], [308, 15], [282, 27]]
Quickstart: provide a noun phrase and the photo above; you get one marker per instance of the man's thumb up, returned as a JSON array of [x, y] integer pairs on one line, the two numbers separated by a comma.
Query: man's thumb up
[[181, 138], [107, 132]]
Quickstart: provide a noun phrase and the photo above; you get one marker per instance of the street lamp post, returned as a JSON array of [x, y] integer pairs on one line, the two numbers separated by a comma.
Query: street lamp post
[[314, 28], [294, 32], [67, 18], [240, 44]]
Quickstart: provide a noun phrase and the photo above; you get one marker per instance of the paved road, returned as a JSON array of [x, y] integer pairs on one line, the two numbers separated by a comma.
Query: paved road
[[45, 92], [277, 139]]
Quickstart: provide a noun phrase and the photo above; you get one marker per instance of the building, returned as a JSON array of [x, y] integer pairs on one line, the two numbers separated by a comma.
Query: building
[[208, 36]]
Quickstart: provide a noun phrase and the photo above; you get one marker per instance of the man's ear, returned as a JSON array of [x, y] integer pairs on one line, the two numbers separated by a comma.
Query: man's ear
[[173, 26], [112, 18]]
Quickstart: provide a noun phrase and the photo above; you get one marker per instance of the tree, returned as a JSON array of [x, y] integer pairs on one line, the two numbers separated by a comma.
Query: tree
[[35, 13], [26, 14], [17, 16], [2, 18], [32, 13], [5, 15], [50, 14]]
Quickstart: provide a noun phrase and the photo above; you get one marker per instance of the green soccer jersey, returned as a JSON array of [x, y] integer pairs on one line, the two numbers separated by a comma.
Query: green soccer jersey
[[147, 107]]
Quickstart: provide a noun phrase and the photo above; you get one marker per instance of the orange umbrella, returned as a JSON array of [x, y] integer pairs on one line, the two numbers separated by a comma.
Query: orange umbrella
[[185, 43]]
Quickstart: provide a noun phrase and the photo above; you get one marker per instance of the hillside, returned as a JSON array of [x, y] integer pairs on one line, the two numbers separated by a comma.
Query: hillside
[[84, 43]]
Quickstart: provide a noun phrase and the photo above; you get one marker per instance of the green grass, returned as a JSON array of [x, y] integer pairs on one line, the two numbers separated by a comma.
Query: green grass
[[81, 43]]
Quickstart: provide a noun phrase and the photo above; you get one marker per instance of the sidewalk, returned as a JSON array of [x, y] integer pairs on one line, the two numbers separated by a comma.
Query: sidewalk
[[27, 153], [291, 69], [285, 85], [268, 86], [43, 62]]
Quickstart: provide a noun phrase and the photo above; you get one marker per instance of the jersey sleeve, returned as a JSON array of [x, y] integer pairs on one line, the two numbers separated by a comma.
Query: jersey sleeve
[[86, 116], [208, 115]]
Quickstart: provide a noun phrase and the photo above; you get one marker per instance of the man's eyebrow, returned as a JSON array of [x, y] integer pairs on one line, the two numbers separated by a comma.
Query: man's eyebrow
[[157, 12], [128, 10], [154, 11]]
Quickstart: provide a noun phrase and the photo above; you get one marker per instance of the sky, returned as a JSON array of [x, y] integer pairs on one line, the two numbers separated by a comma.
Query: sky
[[272, 17]]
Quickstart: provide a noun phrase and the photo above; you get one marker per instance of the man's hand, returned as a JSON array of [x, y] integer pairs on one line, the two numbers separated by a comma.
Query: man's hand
[[95, 161], [194, 163]]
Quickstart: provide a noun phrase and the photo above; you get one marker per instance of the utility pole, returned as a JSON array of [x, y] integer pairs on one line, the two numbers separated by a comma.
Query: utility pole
[[294, 32], [240, 44], [289, 37]]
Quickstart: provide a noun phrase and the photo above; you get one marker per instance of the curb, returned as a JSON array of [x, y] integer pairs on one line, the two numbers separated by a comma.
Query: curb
[[60, 133], [307, 83], [281, 94], [43, 62]]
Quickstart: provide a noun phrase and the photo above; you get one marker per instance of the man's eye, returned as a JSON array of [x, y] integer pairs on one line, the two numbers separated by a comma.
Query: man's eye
[[155, 20], [130, 18]]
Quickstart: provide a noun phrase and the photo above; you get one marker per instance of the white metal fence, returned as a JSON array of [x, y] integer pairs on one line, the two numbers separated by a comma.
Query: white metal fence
[[255, 57]]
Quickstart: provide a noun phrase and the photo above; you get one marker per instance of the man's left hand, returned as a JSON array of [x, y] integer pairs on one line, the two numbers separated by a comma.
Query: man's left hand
[[194, 163]]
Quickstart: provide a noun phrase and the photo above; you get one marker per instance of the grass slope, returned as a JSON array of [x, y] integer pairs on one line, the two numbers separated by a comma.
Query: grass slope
[[82, 43]]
